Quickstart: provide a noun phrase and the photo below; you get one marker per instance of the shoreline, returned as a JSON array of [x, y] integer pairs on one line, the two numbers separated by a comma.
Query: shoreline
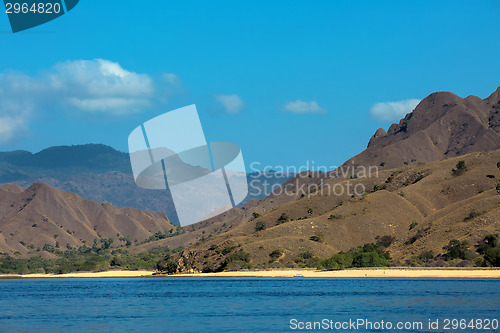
[[393, 272]]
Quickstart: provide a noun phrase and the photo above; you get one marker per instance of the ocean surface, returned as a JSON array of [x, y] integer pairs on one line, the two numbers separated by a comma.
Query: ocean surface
[[247, 304]]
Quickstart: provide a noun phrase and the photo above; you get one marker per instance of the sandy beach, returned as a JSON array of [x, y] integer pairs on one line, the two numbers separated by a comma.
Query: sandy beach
[[365, 273], [347, 273], [107, 274]]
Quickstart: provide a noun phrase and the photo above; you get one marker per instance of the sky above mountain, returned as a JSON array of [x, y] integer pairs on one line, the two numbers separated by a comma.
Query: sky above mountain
[[289, 81]]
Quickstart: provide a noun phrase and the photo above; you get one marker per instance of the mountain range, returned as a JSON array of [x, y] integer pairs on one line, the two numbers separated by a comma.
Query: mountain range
[[434, 180], [102, 174]]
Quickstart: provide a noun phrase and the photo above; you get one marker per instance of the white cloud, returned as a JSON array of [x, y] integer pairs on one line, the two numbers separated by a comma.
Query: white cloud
[[88, 85], [10, 126], [231, 103], [117, 105], [392, 111], [92, 86], [14, 117], [299, 106], [172, 78], [99, 86]]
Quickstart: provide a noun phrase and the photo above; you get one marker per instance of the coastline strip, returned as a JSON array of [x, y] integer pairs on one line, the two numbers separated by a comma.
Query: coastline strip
[[407, 273]]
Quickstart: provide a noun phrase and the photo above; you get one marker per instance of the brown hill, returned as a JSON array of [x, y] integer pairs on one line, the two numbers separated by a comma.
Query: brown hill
[[443, 125], [43, 215], [445, 205], [311, 217]]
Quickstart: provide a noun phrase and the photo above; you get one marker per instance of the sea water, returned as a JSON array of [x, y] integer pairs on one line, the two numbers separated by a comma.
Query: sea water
[[174, 304]]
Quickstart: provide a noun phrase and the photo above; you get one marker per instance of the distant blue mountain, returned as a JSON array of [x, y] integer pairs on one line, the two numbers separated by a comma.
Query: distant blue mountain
[[67, 160], [100, 173]]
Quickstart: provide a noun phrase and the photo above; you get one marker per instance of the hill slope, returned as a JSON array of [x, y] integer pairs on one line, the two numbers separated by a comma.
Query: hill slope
[[444, 204], [43, 215], [443, 125]]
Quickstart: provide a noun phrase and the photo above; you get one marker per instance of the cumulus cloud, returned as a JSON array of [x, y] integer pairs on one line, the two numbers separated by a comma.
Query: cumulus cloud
[[231, 103], [10, 126], [299, 106], [98, 86], [88, 86], [392, 111], [14, 117]]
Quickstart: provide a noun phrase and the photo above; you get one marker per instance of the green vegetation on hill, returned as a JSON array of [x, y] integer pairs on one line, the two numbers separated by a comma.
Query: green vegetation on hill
[[459, 253], [84, 259], [159, 235], [368, 255], [100, 256]]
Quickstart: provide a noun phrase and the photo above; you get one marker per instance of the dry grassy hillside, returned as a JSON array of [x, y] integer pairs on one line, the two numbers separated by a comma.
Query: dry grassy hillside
[[43, 215], [442, 204]]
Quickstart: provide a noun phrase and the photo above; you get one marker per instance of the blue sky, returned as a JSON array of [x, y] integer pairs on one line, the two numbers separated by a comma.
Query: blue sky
[[289, 81]]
